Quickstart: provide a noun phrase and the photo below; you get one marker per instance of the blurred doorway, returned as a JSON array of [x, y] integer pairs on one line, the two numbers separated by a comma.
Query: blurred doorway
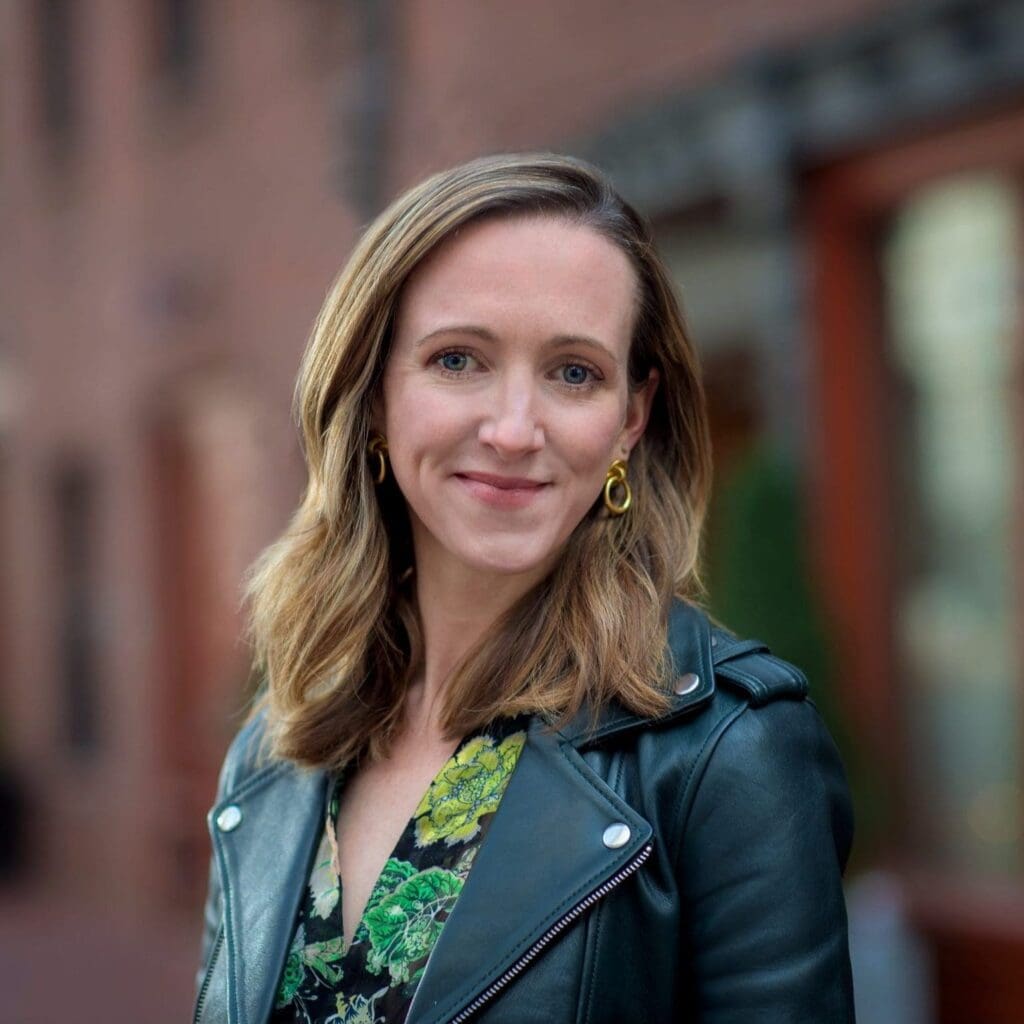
[[207, 510], [917, 256]]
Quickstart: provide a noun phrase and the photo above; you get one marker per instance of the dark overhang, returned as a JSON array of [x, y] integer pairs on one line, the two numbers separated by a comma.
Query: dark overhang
[[742, 136]]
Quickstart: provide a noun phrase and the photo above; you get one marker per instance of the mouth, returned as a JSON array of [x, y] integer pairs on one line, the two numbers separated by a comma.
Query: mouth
[[502, 491]]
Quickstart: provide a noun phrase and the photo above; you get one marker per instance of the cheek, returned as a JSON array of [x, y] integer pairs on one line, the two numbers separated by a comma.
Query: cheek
[[587, 440], [420, 421]]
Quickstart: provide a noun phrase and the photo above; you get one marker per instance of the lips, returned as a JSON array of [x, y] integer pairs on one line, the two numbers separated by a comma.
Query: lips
[[504, 483], [502, 492]]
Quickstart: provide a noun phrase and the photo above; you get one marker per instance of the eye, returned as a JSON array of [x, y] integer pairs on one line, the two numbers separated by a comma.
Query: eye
[[453, 361], [577, 374]]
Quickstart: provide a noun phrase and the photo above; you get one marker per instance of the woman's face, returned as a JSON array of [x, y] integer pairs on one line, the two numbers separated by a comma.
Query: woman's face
[[505, 396]]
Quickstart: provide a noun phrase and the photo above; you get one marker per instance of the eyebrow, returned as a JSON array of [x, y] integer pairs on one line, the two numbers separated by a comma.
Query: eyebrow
[[556, 341]]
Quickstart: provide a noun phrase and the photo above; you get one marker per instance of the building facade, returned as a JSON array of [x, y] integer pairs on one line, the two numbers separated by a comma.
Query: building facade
[[838, 189]]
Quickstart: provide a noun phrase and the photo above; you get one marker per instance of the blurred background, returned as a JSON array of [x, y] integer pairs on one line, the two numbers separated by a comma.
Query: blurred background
[[839, 189]]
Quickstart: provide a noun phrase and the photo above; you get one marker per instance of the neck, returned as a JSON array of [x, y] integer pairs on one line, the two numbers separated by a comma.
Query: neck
[[457, 605]]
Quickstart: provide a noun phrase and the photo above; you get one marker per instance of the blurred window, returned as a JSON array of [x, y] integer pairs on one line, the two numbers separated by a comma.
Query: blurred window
[[74, 496], [55, 61], [950, 263], [721, 273], [177, 45]]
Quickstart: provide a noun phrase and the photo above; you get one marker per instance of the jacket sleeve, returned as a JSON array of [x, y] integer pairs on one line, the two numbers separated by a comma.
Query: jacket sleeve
[[237, 762], [213, 909], [212, 913], [762, 854]]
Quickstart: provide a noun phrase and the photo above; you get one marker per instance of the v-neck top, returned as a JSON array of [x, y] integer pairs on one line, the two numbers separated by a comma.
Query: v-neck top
[[374, 980]]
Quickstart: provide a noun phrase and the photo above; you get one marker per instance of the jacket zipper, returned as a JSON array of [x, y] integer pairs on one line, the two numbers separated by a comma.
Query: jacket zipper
[[200, 1002], [557, 928]]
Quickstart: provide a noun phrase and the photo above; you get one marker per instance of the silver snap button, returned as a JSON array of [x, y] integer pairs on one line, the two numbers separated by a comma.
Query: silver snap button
[[616, 835], [230, 818], [686, 683]]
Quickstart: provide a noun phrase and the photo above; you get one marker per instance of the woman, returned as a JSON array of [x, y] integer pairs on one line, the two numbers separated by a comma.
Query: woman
[[504, 768]]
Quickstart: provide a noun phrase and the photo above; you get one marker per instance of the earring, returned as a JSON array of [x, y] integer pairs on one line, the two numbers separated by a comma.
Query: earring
[[616, 477], [378, 446]]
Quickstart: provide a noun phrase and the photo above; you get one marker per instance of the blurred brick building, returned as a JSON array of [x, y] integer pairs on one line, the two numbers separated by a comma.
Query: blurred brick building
[[838, 188]]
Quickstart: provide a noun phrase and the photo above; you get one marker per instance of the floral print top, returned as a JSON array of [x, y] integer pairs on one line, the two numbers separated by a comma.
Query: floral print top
[[374, 980]]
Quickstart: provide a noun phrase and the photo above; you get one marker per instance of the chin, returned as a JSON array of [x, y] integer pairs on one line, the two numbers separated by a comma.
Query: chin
[[508, 559]]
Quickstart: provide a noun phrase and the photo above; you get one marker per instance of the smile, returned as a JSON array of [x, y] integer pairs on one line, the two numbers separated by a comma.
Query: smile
[[501, 492]]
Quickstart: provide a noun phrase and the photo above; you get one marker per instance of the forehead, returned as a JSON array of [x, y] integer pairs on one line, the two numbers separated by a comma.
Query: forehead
[[542, 274]]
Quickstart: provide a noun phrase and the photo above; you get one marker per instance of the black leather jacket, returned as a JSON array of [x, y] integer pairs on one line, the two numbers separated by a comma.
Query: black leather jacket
[[720, 901]]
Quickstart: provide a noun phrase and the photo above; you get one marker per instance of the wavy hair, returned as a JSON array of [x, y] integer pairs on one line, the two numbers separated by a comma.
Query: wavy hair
[[332, 617]]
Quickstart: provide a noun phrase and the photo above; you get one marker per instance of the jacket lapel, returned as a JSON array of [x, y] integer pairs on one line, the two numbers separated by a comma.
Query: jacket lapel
[[544, 853], [262, 885]]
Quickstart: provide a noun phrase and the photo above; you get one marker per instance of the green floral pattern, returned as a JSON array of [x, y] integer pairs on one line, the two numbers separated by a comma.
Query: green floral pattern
[[466, 789], [406, 922], [374, 979]]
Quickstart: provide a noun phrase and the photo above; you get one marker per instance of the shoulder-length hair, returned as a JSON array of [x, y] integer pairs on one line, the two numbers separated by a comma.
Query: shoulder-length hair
[[333, 622]]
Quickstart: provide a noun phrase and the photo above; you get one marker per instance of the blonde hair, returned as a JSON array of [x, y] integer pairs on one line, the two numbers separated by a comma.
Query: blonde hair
[[332, 619]]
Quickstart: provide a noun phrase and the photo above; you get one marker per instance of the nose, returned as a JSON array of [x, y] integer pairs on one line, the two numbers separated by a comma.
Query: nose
[[510, 425]]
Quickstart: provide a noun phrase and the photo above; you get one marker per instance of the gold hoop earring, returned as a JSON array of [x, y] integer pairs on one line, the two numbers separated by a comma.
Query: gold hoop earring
[[379, 446], [616, 477]]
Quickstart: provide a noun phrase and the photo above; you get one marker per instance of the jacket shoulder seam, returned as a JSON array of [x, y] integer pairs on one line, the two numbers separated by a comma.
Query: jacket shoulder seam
[[763, 677], [680, 812], [696, 775]]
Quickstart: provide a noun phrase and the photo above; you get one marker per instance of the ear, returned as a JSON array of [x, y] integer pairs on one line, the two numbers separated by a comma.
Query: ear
[[639, 403]]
